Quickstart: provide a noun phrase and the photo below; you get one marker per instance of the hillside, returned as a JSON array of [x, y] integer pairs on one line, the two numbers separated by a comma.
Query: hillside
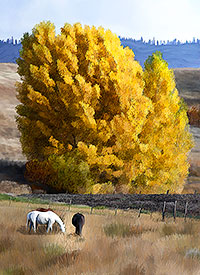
[[9, 52], [176, 54], [188, 84], [9, 136]]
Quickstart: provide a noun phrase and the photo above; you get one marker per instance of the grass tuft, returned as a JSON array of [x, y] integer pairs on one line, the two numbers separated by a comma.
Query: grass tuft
[[14, 271], [187, 228], [53, 250], [123, 230]]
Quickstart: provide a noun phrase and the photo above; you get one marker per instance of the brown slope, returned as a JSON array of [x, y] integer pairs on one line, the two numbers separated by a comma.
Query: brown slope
[[188, 84], [9, 136]]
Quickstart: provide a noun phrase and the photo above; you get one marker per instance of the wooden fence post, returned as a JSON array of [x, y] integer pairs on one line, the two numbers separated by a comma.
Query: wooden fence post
[[115, 211], [186, 208], [174, 213], [70, 202], [91, 210], [163, 211], [139, 212]]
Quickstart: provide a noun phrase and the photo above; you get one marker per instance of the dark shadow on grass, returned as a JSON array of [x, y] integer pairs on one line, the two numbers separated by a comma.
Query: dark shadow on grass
[[41, 230]]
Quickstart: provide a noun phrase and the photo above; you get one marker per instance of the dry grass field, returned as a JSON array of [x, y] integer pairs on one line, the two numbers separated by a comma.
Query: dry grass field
[[111, 244]]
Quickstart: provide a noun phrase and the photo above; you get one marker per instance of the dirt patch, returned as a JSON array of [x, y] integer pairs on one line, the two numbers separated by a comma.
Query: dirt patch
[[11, 187]]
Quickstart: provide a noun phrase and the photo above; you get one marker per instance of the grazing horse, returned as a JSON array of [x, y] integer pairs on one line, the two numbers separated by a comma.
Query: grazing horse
[[78, 221], [48, 217]]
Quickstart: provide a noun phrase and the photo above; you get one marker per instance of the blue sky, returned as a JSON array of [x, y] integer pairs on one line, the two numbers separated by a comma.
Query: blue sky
[[162, 19]]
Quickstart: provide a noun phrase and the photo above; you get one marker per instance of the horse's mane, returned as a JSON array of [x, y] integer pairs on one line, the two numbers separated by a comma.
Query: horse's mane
[[44, 210]]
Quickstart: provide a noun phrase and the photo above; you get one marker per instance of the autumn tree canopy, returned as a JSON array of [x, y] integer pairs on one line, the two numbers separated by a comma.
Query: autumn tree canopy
[[89, 112]]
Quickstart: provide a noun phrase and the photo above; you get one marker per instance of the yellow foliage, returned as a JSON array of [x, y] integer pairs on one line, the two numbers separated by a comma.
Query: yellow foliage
[[103, 188], [82, 90]]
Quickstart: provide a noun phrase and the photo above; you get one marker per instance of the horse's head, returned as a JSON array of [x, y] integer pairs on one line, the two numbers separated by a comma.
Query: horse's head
[[61, 223], [62, 227]]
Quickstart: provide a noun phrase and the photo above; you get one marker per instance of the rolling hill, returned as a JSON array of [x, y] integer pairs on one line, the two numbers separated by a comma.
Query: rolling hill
[[176, 54]]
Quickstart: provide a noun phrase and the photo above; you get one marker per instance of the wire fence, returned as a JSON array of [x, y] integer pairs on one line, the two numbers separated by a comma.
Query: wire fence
[[101, 210]]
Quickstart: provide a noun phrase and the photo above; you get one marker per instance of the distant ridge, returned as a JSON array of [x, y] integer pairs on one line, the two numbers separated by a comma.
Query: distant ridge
[[177, 55], [9, 51]]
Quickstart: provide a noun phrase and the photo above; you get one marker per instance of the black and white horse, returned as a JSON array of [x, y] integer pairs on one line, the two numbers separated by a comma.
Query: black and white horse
[[78, 221]]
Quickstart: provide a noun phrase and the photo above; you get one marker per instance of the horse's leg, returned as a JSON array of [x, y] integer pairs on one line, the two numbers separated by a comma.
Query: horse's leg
[[31, 224], [51, 226], [48, 226], [50, 223], [27, 223], [34, 225]]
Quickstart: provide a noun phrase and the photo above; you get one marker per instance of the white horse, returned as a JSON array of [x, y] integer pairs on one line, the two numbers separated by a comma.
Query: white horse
[[36, 217]]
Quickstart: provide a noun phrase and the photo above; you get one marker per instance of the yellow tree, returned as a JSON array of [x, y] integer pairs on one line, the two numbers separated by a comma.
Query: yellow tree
[[81, 90], [165, 139], [84, 110]]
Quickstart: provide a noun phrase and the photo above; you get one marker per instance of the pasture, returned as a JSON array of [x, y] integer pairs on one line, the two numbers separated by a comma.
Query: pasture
[[110, 244]]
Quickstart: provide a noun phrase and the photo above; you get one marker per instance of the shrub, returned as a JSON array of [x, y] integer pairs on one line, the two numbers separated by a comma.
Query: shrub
[[72, 173], [103, 188], [194, 115], [123, 230]]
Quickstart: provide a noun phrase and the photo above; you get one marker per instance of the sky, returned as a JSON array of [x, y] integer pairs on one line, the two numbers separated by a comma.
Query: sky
[[159, 19]]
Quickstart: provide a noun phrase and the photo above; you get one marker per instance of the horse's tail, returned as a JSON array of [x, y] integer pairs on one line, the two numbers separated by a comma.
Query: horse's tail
[[28, 220]]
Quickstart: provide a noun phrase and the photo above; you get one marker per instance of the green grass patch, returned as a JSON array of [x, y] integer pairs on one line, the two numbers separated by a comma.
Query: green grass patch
[[118, 229], [14, 271], [100, 207], [6, 197]]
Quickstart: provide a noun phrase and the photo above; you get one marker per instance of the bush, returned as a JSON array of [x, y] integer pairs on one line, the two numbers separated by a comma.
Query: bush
[[103, 188], [72, 173], [124, 230], [40, 172], [194, 115]]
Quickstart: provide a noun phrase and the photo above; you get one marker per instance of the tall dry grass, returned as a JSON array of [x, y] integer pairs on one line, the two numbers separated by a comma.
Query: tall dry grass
[[121, 244]]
